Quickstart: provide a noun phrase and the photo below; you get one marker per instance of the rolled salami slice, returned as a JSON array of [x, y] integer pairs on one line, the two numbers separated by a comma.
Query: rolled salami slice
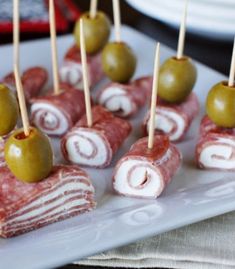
[[97, 145], [56, 114], [71, 69], [216, 147], [174, 119], [145, 173], [33, 81], [67, 192], [124, 100]]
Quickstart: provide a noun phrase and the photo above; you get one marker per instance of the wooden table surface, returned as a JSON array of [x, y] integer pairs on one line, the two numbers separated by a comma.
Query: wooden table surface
[[215, 54]]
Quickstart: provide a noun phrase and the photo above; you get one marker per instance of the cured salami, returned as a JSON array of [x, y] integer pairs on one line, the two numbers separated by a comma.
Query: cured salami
[[174, 119], [56, 114], [71, 69], [95, 146], [145, 173], [33, 81], [67, 192], [124, 100], [216, 147]]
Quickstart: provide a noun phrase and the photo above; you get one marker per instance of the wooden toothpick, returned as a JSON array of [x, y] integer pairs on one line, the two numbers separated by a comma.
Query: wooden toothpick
[[54, 47], [85, 75], [181, 40], [21, 98], [232, 68], [16, 34], [154, 97], [93, 8], [117, 20], [19, 87]]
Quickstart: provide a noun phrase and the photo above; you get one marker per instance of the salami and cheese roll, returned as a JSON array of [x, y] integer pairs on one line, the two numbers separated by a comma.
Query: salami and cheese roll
[[24, 207], [71, 69], [174, 119], [95, 146], [56, 114], [145, 173], [125, 100], [216, 147], [33, 81]]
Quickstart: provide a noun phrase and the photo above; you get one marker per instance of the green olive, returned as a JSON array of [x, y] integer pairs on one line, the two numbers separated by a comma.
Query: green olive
[[118, 61], [9, 110], [176, 79], [96, 31], [220, 105], [29, 158]]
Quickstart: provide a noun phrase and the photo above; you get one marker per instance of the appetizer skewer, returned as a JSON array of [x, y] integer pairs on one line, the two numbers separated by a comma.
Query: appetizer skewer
[[97, 30], [63, 191], [121, 97], [178, 105], [146, 169], [216, 144], [25, 166], [57, 112], [98, 135]]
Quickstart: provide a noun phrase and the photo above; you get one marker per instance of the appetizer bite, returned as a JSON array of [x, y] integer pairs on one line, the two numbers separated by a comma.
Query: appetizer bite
[[177, 104], [150, 164], [33, 80], [216, 145], [95, 145], [56, 112], [65, 193], [97, 30], [125, 100], [122, 97], [54, 193], [98, 135]]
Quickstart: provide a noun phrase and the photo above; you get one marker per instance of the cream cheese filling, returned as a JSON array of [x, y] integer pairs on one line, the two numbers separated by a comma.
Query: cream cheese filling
[[163, 121], [88, 148], [135, 184], [218, 155], [49, 118], [71, 73], [115, 99]]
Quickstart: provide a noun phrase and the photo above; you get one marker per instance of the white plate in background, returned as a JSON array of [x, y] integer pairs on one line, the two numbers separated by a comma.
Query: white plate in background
[[193, 195], [206, 19]]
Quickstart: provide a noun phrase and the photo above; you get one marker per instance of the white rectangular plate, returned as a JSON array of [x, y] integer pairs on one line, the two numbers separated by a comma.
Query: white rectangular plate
[[192, 196]]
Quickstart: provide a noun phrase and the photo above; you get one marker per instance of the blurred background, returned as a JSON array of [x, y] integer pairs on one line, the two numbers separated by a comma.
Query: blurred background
[[210, 25]]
